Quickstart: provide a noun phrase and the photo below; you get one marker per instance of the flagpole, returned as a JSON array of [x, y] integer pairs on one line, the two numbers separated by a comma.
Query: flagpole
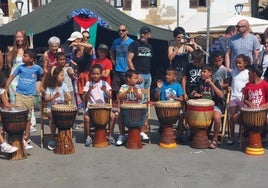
[[208, 26]]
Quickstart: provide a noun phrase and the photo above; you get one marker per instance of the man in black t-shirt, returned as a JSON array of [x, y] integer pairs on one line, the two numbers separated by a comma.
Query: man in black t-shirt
[[139, 57]]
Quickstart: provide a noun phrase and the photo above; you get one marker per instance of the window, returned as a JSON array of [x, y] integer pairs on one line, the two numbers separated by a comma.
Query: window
[[197, 3], [116, 3], [35, 4], [4, 7], [145, 3], [126, 4]]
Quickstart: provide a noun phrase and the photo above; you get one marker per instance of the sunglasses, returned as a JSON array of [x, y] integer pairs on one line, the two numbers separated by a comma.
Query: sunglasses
[[87, 37], [239, 26], [123, 30]]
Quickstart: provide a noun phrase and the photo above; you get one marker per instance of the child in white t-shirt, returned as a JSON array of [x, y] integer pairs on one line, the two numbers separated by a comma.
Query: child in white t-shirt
[[97, 91]]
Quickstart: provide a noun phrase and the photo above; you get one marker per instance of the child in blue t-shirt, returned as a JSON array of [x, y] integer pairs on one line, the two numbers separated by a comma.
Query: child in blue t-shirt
[[170, 90], [28, 73]]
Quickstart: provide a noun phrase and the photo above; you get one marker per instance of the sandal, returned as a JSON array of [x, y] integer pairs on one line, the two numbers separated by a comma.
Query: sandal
[[213, 144]]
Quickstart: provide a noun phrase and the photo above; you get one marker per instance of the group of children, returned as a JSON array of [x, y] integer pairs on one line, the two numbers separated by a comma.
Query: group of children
[[198, 81], [210, 81]]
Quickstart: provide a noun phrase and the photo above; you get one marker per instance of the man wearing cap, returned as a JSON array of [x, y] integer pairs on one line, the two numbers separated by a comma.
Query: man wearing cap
[[139, 57], [118, 53], [81, 58]]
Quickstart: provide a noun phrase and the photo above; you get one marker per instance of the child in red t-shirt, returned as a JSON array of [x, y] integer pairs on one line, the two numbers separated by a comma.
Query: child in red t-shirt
[[256, 90], [105, 63]]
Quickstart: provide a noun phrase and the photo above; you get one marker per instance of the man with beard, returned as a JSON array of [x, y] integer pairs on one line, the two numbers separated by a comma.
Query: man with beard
[[118, 53], [241, 43], [139, 57]]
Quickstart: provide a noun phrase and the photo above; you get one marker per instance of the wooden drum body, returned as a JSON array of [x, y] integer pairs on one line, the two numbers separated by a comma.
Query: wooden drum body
[[167, 113], [100, 115], [199, 116], [254, 120], [14, 123], [133, 116], [64, 117]]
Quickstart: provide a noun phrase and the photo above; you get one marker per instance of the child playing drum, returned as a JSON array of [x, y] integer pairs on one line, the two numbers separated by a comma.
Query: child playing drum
[[5, 147], [170, 90], [56, 92], [97, 91], [208, 90], [129, 93]]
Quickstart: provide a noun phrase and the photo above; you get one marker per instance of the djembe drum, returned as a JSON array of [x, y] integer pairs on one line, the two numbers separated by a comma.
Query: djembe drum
[[133, 116], [254, 120], [100, 115], [64, 117], [199, 116], [167, 113], [14, 123]]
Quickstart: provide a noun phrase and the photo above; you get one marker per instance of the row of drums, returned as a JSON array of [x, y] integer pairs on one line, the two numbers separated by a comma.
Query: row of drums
[[199, 115]]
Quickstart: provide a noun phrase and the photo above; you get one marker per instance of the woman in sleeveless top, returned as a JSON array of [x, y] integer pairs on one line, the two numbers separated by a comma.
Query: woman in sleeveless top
[[178, 51], [14, 59], [49, 57]]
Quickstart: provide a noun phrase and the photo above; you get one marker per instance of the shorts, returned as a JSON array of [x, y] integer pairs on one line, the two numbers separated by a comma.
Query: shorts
[[236, 101], [119, 78], [26, 102], [216, 108], [83, 78]]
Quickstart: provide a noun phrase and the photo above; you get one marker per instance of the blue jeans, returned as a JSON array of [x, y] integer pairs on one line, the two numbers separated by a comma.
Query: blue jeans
[[147, 80]]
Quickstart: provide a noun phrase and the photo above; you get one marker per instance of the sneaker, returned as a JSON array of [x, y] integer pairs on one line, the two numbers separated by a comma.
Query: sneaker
[[75, 126], [32, 129], [111, 141], [88, 142], [51, 145], [27, 146], [230, 142], [144, 136], [28, 141], [121, 140], [7, 148]]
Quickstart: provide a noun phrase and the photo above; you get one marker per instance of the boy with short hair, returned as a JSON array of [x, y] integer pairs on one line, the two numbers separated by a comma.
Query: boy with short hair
[[105, 63], [207, 89], [170, 90], [26, 89], [129, 93], [192, 74], [220, 72], [96, 92]]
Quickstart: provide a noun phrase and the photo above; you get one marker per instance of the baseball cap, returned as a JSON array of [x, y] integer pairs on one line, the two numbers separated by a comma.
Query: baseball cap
[[75, 35], [145, 29], [103, 47]]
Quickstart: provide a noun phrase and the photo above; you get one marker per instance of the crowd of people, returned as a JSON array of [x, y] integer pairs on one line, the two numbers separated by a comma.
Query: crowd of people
[[238, 63]]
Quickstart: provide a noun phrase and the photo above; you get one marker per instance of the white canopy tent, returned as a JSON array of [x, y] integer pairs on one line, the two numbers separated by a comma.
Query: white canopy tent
[[256, 25]]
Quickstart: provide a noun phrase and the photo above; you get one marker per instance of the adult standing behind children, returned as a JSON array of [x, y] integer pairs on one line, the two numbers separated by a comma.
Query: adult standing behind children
[[242, 43], [28, 73], [105, 63], [14, 59], [81, 58], [118, 54], [50, 56], [139, 58], [179, 51]]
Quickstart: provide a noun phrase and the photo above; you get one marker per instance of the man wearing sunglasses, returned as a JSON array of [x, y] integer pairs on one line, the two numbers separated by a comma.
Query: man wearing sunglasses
[[242, 43], [118, 54]]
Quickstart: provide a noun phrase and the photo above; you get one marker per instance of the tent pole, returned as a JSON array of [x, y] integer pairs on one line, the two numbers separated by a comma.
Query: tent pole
[[208, 25]]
